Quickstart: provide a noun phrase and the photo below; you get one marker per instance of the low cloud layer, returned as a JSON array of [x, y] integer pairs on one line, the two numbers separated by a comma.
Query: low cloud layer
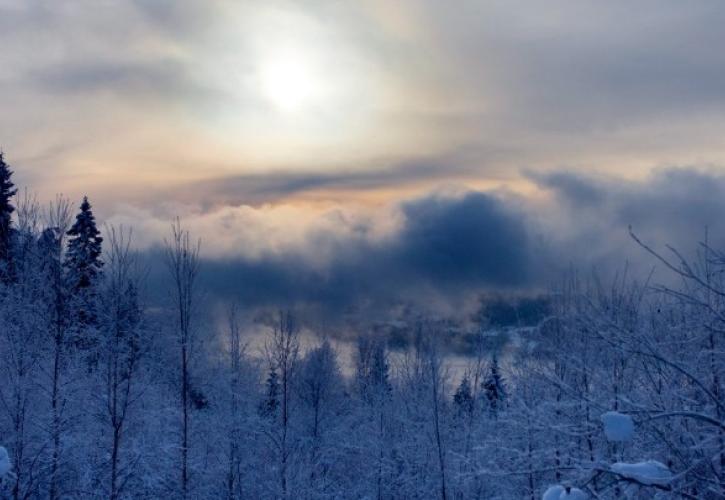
[[430, 250], [591, 215], [442, 250]]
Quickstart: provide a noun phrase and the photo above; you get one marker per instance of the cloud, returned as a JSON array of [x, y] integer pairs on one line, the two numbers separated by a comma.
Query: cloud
[[441, 250], [91, 94], [254, 189], [474, 240], [440, 247], [159, 77], [444, 246], [670, 202], [571, 188], [587, 218]]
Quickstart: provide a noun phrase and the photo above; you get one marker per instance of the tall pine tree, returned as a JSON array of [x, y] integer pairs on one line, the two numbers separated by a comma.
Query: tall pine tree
[[494, 388], [7, 191], [84, 265], [270, 404], [83, 258], [463, 398]]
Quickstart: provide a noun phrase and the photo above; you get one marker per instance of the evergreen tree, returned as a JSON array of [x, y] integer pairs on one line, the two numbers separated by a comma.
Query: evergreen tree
[[494, 388], [83, 269], [83, 259], [380, 372], [7, 191], [269, 405], [463, 398]]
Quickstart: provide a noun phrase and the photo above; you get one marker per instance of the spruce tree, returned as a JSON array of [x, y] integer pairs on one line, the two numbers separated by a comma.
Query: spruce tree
[[83, 258], [494, 388], [463, 398], [7, 191], [83, 267], [269, 405]]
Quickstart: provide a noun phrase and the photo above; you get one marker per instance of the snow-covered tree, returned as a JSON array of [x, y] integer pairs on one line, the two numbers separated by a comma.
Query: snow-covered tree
[[7, 191], [318, 381], [23, 339], [83, 256], [494, 388], [83, 271], [372, 370], [282, 351], [182, 262], [241, 380], [122, 345], [319, 388], [463, 398], [269, 406], [58, 220]]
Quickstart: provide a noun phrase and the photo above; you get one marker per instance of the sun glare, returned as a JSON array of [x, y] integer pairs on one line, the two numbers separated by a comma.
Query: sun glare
[[289, 82]]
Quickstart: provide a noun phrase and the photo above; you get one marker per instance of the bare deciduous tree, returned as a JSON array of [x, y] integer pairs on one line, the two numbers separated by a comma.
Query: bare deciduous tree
[[182, 261], [122, 344], [282, 351]]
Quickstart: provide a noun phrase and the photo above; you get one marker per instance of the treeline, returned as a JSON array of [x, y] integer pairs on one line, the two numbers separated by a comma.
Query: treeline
[[616, 393]]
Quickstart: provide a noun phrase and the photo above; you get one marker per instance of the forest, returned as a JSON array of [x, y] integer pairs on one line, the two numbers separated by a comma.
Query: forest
[[616, 392]]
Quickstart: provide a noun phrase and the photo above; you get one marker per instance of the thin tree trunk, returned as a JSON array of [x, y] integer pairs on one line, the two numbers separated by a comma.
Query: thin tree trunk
[[55, 403], [285, 421], [439, 441], [20, 438], [185, 422], [182, 259], [380, 456], [114, 462]]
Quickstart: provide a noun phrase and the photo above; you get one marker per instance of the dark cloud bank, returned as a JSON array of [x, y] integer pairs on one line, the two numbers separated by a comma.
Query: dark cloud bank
[[445, 246], [450, 248]]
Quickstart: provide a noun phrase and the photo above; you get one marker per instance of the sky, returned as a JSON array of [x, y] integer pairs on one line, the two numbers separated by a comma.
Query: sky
[[356, 154]]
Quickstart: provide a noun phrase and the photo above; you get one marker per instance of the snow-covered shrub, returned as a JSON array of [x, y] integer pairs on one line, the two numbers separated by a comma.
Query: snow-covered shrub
[[6, 467], [553, 492], [559, 492], [650, 472], [617, 426]]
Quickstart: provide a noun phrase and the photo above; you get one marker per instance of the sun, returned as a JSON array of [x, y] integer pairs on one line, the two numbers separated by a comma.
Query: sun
[[289, 82]]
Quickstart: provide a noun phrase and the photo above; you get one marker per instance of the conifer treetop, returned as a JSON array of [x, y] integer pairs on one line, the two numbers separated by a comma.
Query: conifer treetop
[[7, 191], [7, 188], [83, 258], [494, 385]]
